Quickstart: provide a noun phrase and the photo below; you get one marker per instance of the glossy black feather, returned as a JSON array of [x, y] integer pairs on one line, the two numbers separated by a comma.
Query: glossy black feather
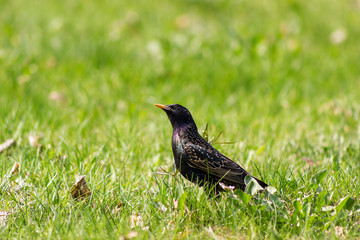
[[196, 159]]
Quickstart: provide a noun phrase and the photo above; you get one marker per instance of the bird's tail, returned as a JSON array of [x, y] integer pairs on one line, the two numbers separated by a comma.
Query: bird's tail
[[261, 183]]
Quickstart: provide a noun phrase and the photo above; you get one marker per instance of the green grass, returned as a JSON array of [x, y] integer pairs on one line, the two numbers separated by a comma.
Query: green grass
[[266, 73]]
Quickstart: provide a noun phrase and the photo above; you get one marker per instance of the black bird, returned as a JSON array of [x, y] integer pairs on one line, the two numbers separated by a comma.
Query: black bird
[[196, 159]]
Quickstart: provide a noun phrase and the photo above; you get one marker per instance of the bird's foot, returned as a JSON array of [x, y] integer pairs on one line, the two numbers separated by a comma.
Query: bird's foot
[[175, 173]]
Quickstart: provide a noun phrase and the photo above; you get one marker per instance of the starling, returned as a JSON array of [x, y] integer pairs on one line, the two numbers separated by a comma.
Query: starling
[[196, 159]]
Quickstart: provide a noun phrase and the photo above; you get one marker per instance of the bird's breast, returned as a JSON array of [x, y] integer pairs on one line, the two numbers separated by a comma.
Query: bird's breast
[[176, 143], [178, 148]]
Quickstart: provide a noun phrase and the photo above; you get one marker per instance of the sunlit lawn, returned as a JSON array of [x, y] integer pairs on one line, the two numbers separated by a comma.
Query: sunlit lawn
[[79, 79]]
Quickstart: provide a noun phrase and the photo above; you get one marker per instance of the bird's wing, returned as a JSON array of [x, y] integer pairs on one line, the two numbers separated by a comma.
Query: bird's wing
[[214, 163]]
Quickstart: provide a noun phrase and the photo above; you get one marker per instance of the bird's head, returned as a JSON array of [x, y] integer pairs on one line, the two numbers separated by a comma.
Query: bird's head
[[178, 115]]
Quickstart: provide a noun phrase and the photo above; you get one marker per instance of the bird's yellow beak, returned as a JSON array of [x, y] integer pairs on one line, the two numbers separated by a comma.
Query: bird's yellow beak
[[163, 107]]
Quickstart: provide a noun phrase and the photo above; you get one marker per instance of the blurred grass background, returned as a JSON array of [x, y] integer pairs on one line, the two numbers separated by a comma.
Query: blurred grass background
[[114, 59], [281, 76]]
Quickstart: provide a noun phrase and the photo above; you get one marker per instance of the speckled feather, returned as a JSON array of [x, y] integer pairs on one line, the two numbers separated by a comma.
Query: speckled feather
[[196, 159]]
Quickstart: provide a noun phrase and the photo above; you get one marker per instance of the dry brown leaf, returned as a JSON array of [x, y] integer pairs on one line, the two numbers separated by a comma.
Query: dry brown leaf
[[14, 180], [7, 144], [15, 169], [3, 217], [80, 190], [6, 183]]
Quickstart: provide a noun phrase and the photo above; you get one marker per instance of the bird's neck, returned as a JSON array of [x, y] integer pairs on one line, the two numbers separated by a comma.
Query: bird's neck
[[192, 128]]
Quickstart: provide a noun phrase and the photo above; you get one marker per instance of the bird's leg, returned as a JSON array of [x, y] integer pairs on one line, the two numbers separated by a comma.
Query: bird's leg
[[175, 173], [164, 172]]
